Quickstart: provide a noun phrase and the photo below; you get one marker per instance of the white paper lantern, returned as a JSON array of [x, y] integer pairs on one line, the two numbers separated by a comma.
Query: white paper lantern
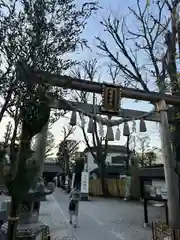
[[126, 131], [90, 126], [73, 119], [110, 134], [142, 126]]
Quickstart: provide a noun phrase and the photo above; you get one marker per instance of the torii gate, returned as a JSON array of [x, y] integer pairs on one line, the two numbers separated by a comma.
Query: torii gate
[[116, 92]]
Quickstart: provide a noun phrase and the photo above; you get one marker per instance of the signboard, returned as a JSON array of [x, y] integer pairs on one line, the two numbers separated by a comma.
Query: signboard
[[84, 182], [156, 188], [160, 188], [111, 99]]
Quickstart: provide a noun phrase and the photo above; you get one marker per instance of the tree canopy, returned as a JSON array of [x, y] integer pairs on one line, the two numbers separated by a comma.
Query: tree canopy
[[39, 33]]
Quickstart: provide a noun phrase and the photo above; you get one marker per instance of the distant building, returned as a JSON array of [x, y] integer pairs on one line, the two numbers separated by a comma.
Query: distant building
[[160, 159], [115, 160], [51, 160]]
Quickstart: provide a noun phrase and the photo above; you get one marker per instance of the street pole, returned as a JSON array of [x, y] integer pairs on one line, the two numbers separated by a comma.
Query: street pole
[[171, 177]]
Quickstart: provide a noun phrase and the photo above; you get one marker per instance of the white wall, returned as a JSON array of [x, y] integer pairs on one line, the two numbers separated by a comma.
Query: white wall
[[92, 165]]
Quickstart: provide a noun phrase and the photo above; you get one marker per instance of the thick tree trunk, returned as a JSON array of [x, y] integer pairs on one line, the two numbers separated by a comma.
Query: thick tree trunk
[[13, 220], [17, 183], [13, 153]]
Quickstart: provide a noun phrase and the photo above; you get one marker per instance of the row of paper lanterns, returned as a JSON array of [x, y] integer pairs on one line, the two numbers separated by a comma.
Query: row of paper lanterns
[[110, 133]]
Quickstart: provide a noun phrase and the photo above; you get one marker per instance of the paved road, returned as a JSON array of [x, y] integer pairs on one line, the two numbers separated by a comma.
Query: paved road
[[107, 219]]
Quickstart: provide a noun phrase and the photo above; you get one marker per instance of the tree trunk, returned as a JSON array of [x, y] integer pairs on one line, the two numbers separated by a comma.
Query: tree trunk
[[128, 155], [18, 183], [13, 153], [13, 219], [176, 143], [104, 185]]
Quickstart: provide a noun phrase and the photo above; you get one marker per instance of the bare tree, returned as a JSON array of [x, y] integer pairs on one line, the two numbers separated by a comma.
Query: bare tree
[[6, 77], [8, 133], [36, 34], [143, 146], [146, 42], [39, 34], [145, 154], [49, 144], [89, 70], [146, 55], [66, 151]]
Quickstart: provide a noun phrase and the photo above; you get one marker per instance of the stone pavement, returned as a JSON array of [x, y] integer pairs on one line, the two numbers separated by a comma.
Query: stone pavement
[[110, 219], [100, 219], [51, 214]]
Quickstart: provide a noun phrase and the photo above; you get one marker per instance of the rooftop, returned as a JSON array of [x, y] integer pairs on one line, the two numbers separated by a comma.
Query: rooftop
[[111, 149]]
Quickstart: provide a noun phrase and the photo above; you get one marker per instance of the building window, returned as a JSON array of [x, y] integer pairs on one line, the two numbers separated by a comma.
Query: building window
[[118, 160]]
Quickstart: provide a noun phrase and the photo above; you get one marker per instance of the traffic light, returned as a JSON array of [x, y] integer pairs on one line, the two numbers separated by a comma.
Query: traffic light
[[110, 99]]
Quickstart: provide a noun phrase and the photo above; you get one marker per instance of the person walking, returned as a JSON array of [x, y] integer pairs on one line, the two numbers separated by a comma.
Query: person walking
[[74, 197]]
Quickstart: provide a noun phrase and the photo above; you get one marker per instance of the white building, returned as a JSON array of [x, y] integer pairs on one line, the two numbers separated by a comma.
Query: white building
[[116, 157]]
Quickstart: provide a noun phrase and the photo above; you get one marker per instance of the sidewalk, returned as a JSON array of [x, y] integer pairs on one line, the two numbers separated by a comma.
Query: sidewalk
[[51, 214]]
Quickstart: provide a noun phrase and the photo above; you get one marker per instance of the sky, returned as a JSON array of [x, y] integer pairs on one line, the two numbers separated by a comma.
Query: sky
[[94, 28]]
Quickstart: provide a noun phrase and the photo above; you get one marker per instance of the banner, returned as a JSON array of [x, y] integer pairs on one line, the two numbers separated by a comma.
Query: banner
[[160, 188], [84, 182]]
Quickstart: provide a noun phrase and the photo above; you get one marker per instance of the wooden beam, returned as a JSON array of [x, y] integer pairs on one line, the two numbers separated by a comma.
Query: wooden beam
[[124, 113], [40, 77]]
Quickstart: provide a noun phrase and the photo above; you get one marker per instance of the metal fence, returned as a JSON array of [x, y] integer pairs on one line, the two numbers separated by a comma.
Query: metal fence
[[161, 231]]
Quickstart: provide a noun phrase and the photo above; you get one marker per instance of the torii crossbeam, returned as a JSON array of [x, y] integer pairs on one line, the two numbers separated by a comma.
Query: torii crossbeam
[[67, 82]]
